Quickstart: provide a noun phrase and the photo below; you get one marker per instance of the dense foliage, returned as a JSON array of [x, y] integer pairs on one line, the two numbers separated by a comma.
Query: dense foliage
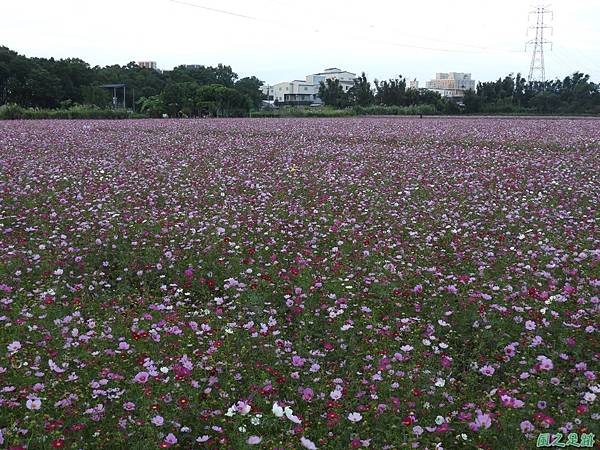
[[391, 95], [375, 110], [330, 284], [576, 94], [14, 112], [52, 84], [216, 91]]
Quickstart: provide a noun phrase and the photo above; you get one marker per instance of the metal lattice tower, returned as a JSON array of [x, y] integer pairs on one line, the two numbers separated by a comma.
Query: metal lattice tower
[[537, 71]]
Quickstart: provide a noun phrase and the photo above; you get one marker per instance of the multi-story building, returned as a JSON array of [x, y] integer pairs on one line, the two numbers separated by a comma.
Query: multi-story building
[[306, 92], [147, 64], [451, 84], [413, 84]]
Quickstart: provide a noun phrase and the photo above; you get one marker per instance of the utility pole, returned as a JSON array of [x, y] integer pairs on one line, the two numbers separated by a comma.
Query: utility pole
[[537, 70]]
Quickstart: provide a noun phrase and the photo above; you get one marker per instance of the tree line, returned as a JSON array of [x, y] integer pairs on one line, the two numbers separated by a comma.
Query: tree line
[[576, 94], [183, 91], [218, 91], [387, 93]]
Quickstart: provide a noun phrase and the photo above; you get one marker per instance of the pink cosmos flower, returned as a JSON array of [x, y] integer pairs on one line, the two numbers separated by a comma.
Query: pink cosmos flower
[[527, 426], [171, 439], [128, 406], [14, 346], [545, 363], [488, 371], [158, 420], [511, 402], [33, 403], [307, 394], [254, 440], [509, 350], [530, 325], [335, 394], [243, 408], [297, 361], [482, 420], [142, 377]]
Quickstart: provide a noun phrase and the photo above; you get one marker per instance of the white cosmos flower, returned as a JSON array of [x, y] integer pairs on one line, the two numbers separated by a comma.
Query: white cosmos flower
[[277, 410], [33, 403], [355, 417], [290, 415], [307, 443], [336, 394]]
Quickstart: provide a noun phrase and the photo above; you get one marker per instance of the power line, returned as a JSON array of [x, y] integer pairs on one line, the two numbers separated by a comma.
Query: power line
[[421, 37], [220, 11], [575, 57], [363, 39]]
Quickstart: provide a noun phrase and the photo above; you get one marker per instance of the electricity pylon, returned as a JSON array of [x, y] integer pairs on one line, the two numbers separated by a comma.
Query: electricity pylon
[[537, 71]]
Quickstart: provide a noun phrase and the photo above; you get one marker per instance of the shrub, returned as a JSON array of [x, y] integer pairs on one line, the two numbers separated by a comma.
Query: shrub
[[13, 112]]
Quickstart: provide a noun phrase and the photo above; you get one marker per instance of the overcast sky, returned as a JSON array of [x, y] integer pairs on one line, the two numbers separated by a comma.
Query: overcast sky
[[280, 40]]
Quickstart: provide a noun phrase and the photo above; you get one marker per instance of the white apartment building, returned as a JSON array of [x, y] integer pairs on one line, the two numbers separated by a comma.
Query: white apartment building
[[306, 92], [147, 64], [451, 84]]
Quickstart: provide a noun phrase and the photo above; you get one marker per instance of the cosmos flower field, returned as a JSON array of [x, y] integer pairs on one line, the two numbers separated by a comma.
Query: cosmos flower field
[[289, 284]]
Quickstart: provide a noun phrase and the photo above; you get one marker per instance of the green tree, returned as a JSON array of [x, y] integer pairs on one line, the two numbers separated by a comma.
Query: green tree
[[43, 87], [332, 93], [221, 101], [472, 102], [180, 98], [392, 92], [250, 87], [95, 95], [153, 106], [361, 93]]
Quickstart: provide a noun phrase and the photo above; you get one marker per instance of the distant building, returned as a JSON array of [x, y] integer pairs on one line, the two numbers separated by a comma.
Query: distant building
[[193, 66], [413, 84], [148, 64], [451, 84], [306, 92]]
